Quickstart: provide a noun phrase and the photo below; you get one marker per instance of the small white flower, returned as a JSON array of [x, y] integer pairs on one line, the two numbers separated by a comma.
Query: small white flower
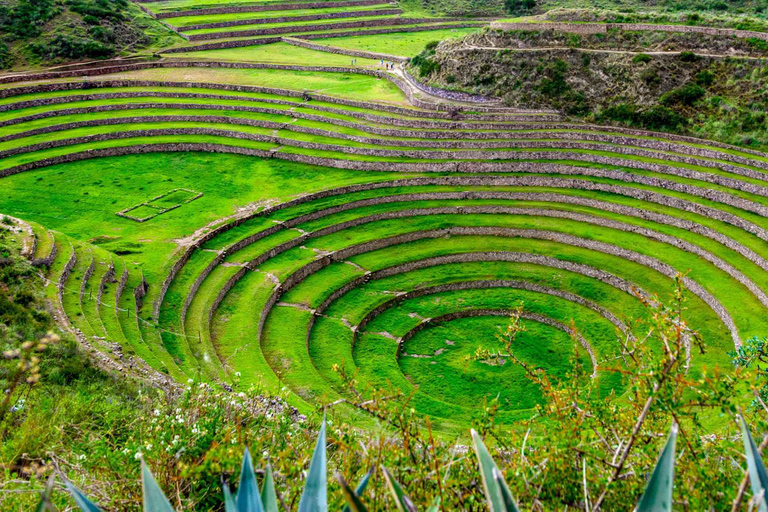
[[156, 412], [137, 455], [190, 381]]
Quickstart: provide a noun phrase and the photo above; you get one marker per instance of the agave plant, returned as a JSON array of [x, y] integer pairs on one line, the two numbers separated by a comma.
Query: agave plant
[[758, 476], [658, 493], [657, 496]]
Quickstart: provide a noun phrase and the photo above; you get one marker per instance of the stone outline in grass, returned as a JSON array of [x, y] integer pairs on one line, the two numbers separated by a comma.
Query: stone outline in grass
[[125, 213]]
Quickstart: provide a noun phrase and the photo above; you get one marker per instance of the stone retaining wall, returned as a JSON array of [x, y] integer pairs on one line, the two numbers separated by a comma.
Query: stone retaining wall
[[70, 86], [267, 40], [604, 206], [222, 45], [343, 51], [467, 313], [448, 95], [471, 167], [48, 260], [65, 272], [294, 29], [308, 97], [643, 195], [570, 240], [602, 28], [458, 166], [108, 277], [657, 145], [121, 287], [618, 144], [86, 277], [289, 19], [265, 7], [504, 210], [138, 296]]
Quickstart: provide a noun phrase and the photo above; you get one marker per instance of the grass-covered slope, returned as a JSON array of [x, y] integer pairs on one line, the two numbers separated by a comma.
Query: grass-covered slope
[[45, 32]]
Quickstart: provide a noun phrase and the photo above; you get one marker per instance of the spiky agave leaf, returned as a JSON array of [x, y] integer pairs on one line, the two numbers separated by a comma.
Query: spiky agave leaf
[[506, 494], [268, 493], [402, 501], [354, 503], [435, 505], [81, 499], [758, 477], [229, 501], [248, 498], [658, 493], [360, 489], [45, 497], [497, 493], [315, 495], [154, 499]]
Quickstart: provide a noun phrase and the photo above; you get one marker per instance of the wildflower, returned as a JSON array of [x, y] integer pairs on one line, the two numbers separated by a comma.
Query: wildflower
[[137, 455]]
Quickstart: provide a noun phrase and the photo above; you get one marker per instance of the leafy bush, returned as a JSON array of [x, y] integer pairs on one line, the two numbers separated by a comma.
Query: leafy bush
[[686, 95], [424, 62], [25, 18], [751, 121], [705, 78], [6, 59], [70, 47], [101, 9], [554, 84], [650, 76], [688, 57], [656, 118], [519, 6], [642, 58]]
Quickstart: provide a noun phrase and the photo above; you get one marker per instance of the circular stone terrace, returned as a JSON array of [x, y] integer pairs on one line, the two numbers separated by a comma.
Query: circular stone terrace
[[379, 227]]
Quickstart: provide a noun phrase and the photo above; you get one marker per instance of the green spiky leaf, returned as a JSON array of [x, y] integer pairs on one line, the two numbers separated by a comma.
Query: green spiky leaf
[[353, 500], [435, 505], [45, 497], [658, 492], [402, 501], [81, 499], [248, 498], [758, 477], [268, 493], [229, 501], [154, 499], [506, 494], [360, 489], [497, 493], [315, 495]]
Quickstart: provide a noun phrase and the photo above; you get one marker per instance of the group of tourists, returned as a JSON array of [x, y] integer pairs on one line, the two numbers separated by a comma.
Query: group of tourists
[[386, 65]]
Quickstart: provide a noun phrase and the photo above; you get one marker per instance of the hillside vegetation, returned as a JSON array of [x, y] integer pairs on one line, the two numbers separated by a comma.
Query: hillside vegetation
[[709, 86], [45, 32]]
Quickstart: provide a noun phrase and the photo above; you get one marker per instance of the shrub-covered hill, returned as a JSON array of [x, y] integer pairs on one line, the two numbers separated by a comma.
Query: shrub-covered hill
[[710, 86], [46, 32]]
